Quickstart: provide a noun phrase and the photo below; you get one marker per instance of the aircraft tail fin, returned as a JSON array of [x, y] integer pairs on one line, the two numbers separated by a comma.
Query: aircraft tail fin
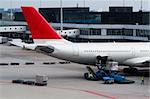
[[39, 27]]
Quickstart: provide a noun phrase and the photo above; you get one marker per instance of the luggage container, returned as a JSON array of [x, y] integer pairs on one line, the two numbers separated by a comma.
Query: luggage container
[[41, 80], [112, 66]]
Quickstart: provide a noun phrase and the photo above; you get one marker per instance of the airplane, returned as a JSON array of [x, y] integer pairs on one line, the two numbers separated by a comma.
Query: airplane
[[48, 41]]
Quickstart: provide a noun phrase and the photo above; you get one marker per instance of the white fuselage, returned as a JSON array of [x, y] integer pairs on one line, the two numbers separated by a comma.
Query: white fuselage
[[86, 53], [48, 41]]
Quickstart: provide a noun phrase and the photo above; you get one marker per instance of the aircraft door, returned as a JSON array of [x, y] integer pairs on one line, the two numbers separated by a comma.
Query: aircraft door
[[75, 50], [135, 52]]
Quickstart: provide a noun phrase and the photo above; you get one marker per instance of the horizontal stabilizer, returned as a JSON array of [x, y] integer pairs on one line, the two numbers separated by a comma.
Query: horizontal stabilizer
[[17, 42]]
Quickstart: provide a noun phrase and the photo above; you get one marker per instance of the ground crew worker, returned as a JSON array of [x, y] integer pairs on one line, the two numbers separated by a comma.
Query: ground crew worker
[[142, 80]]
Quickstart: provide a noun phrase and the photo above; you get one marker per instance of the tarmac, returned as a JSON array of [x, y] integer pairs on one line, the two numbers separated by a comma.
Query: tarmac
[[65, 80]]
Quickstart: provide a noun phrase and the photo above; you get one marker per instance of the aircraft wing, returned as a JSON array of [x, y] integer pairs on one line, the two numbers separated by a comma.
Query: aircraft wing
[[138, 61]]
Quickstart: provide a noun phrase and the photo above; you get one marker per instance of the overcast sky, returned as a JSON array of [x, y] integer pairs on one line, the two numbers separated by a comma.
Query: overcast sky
[[98, 5]]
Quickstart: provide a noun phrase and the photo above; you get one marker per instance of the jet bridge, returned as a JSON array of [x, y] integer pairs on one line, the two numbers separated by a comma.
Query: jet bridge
[[12, 29]]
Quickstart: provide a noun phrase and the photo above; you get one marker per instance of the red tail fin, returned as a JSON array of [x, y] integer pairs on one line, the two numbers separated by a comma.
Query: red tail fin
[[38, 26]]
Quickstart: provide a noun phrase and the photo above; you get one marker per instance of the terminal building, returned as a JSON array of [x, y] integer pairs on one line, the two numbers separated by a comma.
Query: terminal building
[[118, 24]]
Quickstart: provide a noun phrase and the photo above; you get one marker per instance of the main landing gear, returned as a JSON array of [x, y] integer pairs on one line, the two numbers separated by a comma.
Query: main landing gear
[[130, 70]]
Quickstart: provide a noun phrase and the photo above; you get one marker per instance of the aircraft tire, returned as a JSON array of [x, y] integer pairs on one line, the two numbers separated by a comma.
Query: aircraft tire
[[126, 70], [133, 70], [86, 76], [130, 70]]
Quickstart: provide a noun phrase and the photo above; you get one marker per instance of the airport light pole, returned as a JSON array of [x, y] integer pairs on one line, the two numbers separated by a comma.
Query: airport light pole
[[61, 16], [40, 3], [11, 13], [123, 3], [84, 3], [20, 3], [141, 5]]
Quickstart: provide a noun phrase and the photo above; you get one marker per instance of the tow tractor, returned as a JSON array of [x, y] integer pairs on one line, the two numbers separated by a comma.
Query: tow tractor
[[108, 73]]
